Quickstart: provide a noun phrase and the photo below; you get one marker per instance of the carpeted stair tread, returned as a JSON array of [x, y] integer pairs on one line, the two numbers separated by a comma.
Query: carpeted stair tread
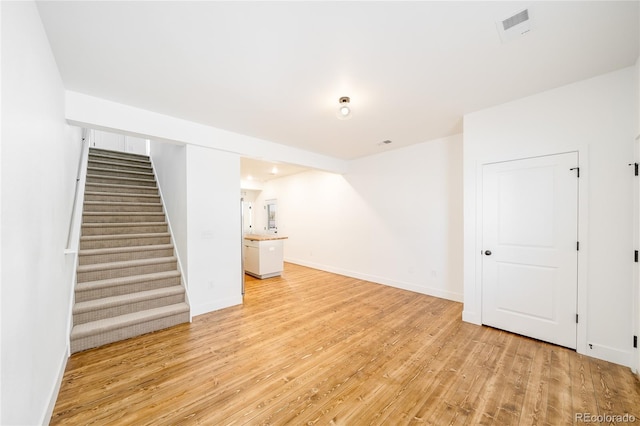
[[125, 264], [120, 178], [123, 214], [99, 255], [109, 324], [100, 156], [121, 206], [116, 188], [123, 178], [109, 302], [121, 224], [119, 154], [121, 203], [115, 164], [123, 195], [113, 250], [134, 279], [112, 172], [124, 236], [121, 217], [123, 228]]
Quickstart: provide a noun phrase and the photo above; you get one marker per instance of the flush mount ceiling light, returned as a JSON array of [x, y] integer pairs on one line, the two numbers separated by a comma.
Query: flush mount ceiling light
[[345, 111]]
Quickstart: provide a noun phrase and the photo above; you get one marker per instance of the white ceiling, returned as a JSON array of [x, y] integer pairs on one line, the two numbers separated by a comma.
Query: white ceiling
[[263, 171], [275, 70]]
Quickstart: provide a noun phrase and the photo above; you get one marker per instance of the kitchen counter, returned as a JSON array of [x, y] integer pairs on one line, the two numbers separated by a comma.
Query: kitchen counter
[[263, 237], [263, 255]]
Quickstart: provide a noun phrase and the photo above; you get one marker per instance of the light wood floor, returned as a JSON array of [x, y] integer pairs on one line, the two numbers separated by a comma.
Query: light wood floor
[[317, 348]]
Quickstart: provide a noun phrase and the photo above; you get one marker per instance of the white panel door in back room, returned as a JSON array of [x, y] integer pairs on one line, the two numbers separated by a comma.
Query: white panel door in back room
[[529, 237]]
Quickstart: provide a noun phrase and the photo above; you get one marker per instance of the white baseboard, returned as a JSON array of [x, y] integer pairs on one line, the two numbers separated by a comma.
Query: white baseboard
[[53, 396], [471, 317], [429, 291], [607, 353], [205, 308]]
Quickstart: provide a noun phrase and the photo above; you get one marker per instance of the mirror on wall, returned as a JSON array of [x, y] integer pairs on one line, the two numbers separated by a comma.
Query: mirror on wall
[[271, 207]]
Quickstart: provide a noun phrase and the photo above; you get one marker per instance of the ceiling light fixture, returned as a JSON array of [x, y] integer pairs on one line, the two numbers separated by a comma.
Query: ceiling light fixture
[[345, 110]]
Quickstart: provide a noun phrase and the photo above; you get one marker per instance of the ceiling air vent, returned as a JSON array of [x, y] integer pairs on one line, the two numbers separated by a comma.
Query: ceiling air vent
[[514, 26]]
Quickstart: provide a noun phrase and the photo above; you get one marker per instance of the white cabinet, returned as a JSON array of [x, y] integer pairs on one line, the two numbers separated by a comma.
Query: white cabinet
[[263, 258]]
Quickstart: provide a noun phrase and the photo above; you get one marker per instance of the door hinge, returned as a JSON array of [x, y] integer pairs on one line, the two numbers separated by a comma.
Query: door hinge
[[635, 256], [635, 341], [576, 318], [577, 245], [635, 167], [577, 169]]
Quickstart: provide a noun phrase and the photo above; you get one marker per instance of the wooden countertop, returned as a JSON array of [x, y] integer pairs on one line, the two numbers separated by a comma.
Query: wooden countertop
[[264, 237]]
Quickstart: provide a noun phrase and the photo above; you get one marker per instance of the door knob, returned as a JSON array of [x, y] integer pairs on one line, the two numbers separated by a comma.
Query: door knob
[[487, 252]]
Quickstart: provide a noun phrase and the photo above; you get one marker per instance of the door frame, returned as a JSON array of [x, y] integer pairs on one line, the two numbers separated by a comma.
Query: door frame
[[583, 226], [636, 245]]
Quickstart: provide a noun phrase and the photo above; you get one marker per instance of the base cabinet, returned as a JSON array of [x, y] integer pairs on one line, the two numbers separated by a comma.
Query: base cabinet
[[263, 259]]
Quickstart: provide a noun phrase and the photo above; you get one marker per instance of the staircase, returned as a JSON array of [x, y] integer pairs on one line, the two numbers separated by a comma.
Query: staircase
[[128, 280]]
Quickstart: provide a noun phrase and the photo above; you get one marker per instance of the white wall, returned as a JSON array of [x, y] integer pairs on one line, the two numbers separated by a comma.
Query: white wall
[[39, 163], [201, 191], [214, 232], [596, 118], [119, 142], [170, 163], [637, 96], [395, 218]]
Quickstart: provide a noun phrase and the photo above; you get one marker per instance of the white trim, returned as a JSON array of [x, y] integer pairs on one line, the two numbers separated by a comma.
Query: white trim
[[609, 354], [76, 214], [635, 316], [53, 395], [429, 291], [583, 227], [75, 231], [583, 253], [206, 308], [183, 279]]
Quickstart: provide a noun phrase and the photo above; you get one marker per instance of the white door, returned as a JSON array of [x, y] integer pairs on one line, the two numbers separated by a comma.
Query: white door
[[530, 258], [110, 141]]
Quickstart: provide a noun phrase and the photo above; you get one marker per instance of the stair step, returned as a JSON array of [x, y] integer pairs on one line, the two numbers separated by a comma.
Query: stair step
[[114, 197], [97, 333], [119, 217], [114, 188], [120, 180], [91, 290], [107, 307], [121, 206], [120, 173], [124, 228], [123, 240], [114, 164], [120, 254], [117, 154], [103, 271]]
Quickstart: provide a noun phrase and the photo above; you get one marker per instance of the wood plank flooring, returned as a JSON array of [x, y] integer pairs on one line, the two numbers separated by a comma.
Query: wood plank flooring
[[318, 348]]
